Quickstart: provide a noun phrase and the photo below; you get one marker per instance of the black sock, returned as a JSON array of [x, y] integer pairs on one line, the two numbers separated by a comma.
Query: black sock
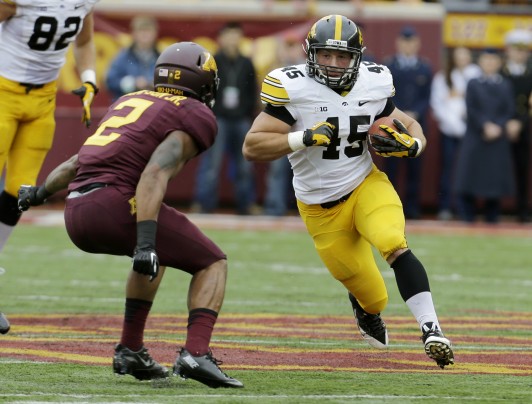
[[410, 275], [137, 311]]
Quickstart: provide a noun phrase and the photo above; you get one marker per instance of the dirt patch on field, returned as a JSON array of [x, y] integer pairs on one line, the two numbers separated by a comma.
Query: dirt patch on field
[[275, 342]]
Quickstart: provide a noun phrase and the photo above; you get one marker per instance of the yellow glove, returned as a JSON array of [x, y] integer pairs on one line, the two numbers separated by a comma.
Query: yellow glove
[[319, 135], [86, 92], [399, 144]]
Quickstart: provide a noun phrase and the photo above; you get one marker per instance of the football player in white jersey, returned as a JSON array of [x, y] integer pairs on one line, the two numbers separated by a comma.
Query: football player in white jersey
[[34, 39], [319, 114]]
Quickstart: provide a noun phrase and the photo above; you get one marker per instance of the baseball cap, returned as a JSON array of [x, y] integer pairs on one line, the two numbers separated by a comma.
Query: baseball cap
[[408, 32]]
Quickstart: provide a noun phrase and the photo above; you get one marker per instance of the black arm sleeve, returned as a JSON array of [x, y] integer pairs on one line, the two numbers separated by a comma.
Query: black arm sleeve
[[280, 113]]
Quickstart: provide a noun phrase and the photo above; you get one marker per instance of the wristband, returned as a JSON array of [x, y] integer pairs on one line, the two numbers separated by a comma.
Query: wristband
[[146, 232], [295, 140], [420, 146], [88, 75]]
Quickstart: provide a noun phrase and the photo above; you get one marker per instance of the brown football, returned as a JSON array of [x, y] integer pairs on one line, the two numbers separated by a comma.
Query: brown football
[[374, 129]]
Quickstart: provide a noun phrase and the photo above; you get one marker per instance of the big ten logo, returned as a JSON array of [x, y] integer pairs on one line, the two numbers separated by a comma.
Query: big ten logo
[[262, 50]]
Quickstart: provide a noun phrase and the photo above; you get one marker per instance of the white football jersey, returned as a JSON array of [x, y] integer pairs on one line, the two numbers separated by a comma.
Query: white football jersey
[[324, 174], [34, 42]]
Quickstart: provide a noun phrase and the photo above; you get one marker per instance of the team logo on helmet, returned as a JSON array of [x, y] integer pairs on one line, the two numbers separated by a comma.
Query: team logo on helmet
[[210, 63]]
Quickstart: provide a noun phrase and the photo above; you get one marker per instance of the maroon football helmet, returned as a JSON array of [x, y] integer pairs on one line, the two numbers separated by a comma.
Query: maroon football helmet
[[186, 68]]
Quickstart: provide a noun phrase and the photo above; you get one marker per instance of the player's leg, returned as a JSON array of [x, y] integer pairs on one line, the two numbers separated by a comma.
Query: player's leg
[[349, 259], [131, 356], [202, 258], [10, 113], [383, 225], [102, 221]]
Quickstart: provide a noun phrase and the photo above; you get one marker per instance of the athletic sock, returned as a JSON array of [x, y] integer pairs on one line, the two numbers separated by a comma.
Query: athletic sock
[[413, 284], [135, 316], [200, 325]]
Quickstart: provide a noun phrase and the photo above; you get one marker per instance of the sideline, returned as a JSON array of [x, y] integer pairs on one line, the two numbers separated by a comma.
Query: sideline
[[54, 217]]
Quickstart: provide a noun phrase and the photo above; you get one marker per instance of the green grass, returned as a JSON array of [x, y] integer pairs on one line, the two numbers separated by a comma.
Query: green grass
[[270, 272]]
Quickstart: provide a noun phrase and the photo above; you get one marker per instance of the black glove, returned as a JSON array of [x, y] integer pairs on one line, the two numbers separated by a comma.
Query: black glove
[[319, 135], [398, 144], [145, 259], [86, 92], [31, 196]]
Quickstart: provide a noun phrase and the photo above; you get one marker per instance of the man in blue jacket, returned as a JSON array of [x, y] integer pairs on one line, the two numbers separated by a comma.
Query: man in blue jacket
[[132, 69]]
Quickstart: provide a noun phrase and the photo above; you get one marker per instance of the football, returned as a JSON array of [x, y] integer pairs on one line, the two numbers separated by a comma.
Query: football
[[375, 130]]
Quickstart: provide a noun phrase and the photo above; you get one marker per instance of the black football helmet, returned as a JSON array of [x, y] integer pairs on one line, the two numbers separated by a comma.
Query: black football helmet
[[186, 68], [334, 32]]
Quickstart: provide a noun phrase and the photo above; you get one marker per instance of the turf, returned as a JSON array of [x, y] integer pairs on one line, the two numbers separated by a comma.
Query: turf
[[472, 276]]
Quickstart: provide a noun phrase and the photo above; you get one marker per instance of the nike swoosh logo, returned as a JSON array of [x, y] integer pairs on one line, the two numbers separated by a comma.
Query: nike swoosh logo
[[405, 140], [360, 103], [145, 362]]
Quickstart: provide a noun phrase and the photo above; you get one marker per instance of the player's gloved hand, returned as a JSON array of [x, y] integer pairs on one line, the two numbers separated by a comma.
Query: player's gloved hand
[[145, 259], [86, 92], [399, 144], [319, 135], [31, 196]]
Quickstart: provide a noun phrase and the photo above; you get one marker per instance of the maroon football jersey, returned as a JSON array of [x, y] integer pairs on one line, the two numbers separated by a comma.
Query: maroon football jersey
[[117, 153]]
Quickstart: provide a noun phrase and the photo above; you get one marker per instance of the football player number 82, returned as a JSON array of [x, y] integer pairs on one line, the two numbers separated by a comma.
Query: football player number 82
[[45, 29]]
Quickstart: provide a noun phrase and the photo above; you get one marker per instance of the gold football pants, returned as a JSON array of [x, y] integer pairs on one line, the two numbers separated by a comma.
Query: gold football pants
[[27, 128], [344, 236]]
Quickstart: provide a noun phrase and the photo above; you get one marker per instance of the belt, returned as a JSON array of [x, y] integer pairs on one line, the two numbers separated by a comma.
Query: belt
[[86, 189], [332, 204], [30, 86]]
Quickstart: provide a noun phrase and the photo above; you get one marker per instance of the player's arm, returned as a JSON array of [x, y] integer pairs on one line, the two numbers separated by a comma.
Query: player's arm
[[406, 138], [56, 181], [85, 57], [412, 126], [7, 11], [270, 138], [166, 161]]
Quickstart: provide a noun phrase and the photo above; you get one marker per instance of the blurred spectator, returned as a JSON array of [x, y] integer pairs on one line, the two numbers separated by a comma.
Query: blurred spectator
[[518, 70], [447, 99], [235, 107], [484, 172], [132, 69], [278, 180], [412, 80]]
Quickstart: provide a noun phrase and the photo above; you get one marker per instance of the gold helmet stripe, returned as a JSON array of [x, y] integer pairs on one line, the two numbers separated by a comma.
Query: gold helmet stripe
[[338, 27]]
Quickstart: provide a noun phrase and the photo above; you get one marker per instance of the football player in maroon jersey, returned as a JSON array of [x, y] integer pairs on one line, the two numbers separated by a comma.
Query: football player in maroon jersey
[[116, 185]]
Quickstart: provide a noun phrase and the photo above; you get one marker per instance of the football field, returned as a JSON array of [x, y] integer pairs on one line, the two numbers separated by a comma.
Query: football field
[[286, 329]]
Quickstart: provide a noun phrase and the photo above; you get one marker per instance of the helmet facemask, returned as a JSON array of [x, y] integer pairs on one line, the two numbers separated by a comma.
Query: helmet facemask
[[325, 74]]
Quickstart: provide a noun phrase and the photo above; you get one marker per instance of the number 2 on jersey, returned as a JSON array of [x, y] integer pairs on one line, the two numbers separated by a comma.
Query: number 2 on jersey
[[102, 136]]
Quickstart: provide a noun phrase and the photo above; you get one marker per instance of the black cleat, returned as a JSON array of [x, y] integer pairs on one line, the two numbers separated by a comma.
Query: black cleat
[[4, 324], [371, 326], [437, 347], [137, 364], [203, 369]]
